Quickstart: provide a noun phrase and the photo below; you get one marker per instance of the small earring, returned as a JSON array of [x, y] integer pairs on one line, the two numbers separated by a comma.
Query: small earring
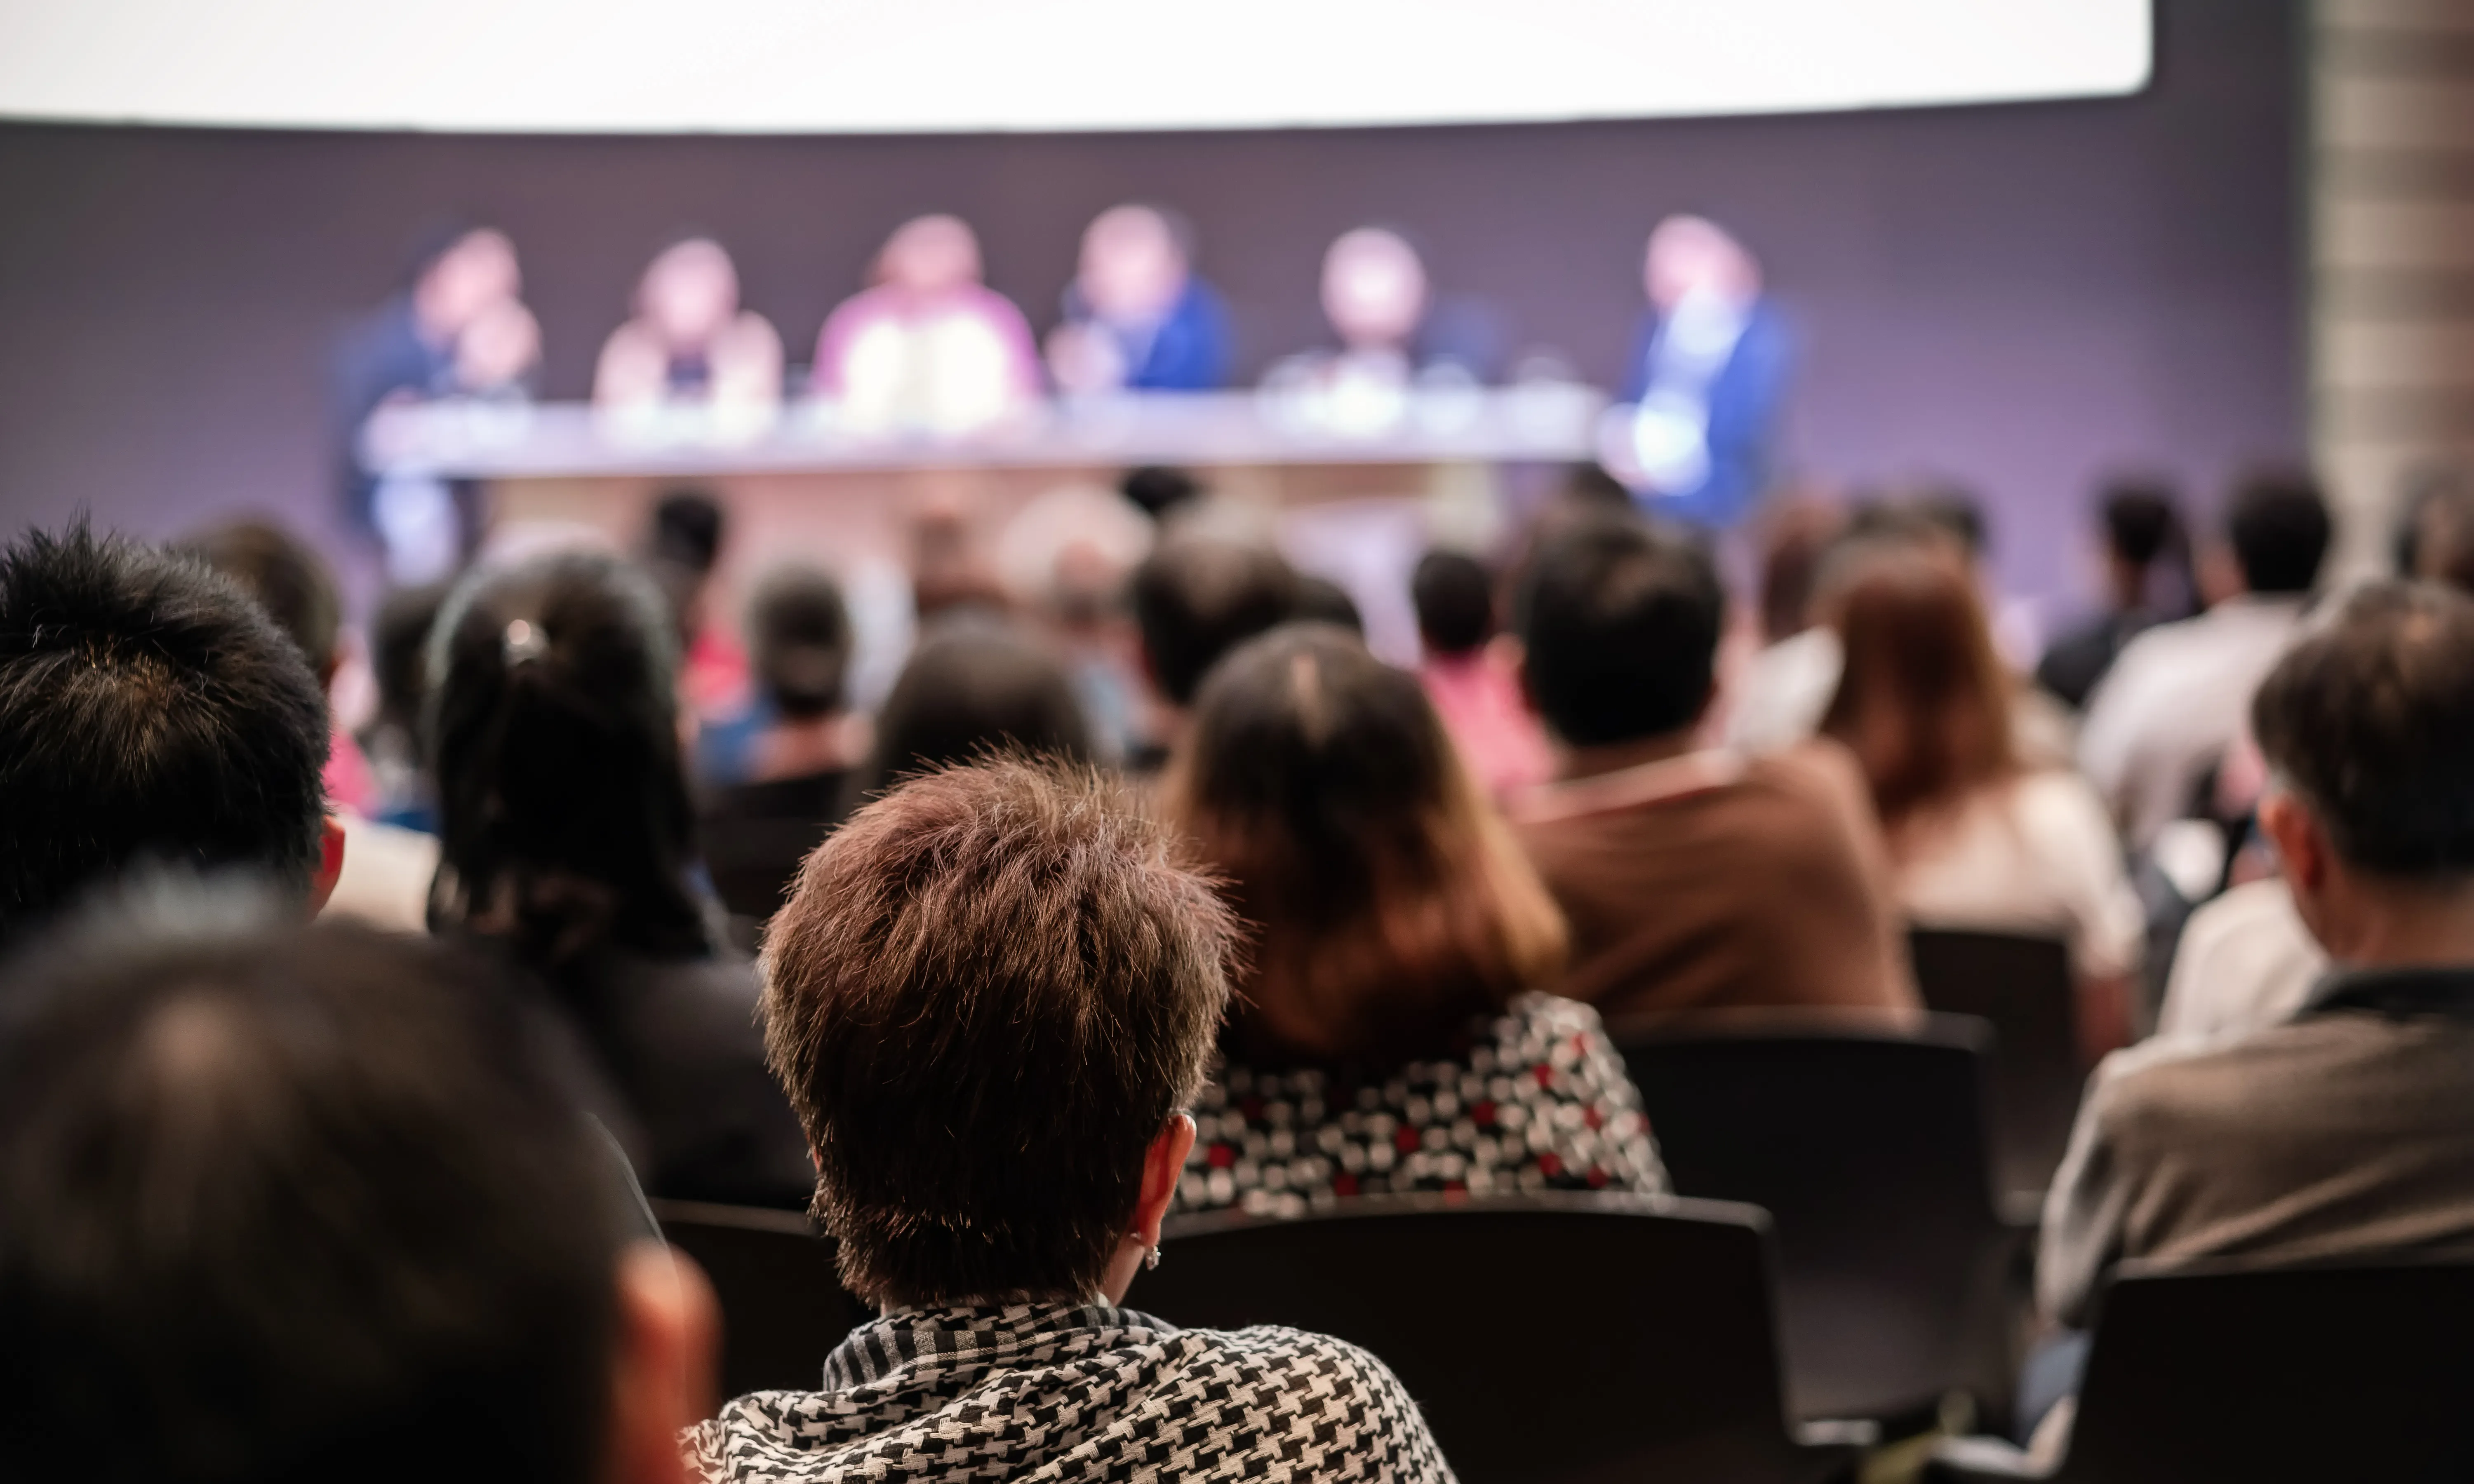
[[1150, 1259]]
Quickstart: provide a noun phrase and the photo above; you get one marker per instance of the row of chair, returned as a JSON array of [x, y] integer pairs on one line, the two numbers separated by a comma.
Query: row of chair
[[1903, 1280], [1850, 1246], [2022, 987], [1575, 1338]]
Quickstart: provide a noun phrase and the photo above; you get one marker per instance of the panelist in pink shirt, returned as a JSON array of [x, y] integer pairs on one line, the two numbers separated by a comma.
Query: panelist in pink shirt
[[928, 346]]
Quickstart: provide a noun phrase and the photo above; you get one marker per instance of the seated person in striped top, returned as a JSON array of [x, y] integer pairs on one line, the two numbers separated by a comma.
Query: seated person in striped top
[[1386, 1037], [990, 998]]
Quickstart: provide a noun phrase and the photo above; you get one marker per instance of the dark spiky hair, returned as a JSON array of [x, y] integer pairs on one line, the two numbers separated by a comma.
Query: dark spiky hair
[[148, 710]]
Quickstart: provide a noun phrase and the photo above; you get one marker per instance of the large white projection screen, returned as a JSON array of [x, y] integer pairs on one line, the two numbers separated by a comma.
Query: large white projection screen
[[809, 67]]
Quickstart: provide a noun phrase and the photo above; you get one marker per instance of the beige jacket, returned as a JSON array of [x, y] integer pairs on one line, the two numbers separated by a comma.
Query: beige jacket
[[2348, 1129]]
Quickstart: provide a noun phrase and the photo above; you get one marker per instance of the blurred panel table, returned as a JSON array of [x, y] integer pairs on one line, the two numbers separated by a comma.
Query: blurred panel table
[[801, 481], [501, 442]]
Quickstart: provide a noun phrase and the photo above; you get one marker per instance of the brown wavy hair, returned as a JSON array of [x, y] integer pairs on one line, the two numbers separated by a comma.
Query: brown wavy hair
[[1923, 700], [1387, 899]]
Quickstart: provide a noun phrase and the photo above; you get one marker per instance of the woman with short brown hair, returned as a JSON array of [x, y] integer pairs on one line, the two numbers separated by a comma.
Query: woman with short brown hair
[[1387, 1036]]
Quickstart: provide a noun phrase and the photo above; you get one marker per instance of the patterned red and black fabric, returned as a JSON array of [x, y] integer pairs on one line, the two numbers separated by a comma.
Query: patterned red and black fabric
[[1063, 1391], [1536, 1099]]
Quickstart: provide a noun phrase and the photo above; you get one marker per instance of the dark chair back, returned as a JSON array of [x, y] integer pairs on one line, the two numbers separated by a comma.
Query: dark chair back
[[2023, 987], [1865, 1142], [2319, 1373], [1549, 1339], [783, 1307]]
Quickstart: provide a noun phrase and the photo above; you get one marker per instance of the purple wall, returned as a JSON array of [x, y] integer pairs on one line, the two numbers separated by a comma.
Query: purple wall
[[2019, 296]]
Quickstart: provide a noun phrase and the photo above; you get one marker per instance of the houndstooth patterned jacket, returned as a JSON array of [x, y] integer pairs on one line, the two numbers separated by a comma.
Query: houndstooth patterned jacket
[[1065, 1392]]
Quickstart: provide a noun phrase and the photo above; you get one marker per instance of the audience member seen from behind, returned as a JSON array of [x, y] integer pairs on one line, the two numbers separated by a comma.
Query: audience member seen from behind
[[316, 1204], [1473, 682], [998, 1129], [799, 760], [2246, 960], [569, 844], [1323, 601], [2173, 704], [1065, 559], [1136, 319], [399, 642], [1195, 597], [926, 346], [149, 711], [1978, 838], [296, 589], [690, 342], [386, 876], [2438, 543], [972, 687], [682, 545], [2142, 545], [1693, 878], [1777, 696], [1389, 1035], [2349, 1127]]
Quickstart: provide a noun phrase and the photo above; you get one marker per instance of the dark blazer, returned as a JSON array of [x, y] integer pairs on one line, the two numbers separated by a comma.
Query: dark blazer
[[677, 1042], [1744, 401]]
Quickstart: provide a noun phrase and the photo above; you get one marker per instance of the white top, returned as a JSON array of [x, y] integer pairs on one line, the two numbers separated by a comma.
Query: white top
[[2034, 855], [385, 879], [2174, 702], [2245, 962], [1784, 691]]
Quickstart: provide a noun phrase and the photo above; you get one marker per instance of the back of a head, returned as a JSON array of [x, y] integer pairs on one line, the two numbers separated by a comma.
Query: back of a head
[[2441, 547], [1588, 486], [1795, 535], [799, 641], [2142, 521], [1923, 700], [687, 530], [1455, 601], [288, 579], [1387, 900], [1198, 596], [2369, 718], [1938, 512], [1323, 601], [148, 708], [291, 1205], [1161, 490], [2277, 524], [1622, 626], [398, 649], [564, 813], [2420, 488], [987, 995], [974, 687], [1957, 510]]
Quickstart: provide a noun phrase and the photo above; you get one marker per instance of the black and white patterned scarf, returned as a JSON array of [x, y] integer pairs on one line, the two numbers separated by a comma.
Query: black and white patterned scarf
[[1075, 1392]]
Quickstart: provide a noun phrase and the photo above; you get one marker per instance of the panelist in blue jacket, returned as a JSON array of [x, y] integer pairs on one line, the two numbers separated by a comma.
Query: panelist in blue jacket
[[1696, 437], [1136, 316]]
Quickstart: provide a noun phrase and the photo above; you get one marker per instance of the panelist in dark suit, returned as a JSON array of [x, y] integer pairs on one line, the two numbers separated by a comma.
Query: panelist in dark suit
[[1136, 316], [1706, 381]]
